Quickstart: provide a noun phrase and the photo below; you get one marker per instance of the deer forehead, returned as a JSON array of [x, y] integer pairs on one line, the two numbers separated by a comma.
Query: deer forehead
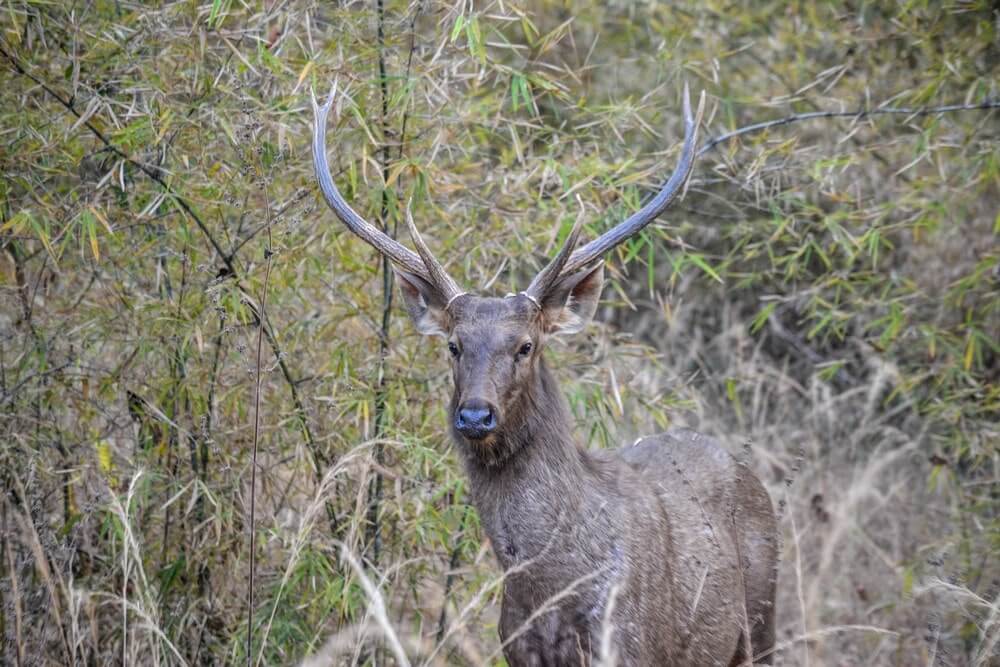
[[509, 313]]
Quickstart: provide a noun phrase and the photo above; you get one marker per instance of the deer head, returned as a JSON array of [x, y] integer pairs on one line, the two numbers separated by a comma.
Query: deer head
[[495, 344]]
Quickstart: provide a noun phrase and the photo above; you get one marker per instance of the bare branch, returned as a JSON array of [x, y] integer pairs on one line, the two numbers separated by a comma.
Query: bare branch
[[857, 115]]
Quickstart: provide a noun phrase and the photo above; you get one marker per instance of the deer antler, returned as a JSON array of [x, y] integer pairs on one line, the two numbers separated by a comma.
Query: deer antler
[[548, 276], [423, 265], [439, 277], [638, 220]]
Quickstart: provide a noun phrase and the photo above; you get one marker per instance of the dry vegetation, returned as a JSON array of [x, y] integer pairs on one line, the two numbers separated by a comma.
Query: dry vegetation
[[826, 299]]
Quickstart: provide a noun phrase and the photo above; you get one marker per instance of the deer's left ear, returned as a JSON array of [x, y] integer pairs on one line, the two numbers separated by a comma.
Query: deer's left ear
[[424, 303], [572, 300]]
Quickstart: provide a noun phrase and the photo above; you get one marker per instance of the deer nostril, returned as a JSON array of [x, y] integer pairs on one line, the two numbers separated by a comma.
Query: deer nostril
[[475, 419]]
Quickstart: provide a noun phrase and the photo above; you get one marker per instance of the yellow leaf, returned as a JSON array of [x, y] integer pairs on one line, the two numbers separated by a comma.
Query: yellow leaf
[[104, 457], [907, 581], [304, 73], [166, 122], [102, 219], [970, 352], [94, 248], [43, 236], [394, 173], [19, 219]]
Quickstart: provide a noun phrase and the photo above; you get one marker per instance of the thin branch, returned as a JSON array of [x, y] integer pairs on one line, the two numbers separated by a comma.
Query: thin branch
[[375, 490], [406, 77], [10, 395], [54, 584], [296, 198], [857, 115], [450, 577], [318, 458], [152, 173], [268, 255], [14, 577]]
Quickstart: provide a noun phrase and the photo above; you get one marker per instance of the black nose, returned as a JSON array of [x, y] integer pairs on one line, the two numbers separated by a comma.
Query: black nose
[[475, 419]]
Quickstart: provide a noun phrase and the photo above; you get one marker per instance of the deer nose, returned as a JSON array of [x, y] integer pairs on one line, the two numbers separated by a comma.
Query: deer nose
[[475, 419]]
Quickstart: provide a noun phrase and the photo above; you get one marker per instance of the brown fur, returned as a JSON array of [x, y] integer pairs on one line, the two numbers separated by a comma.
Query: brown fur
[[645, 539]]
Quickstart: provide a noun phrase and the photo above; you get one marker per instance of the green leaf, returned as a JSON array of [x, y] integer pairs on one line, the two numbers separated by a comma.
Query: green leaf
[[218, 13], [700, 262], [475, 39], [456, 30], [733, 395], [763, 316], [89, 224], [41, 231]]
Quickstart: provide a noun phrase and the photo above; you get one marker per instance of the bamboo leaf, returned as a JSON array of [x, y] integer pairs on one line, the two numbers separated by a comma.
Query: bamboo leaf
[[700, 262]]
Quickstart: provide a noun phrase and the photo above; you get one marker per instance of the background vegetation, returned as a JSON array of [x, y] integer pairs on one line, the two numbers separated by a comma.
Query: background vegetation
[[825, 298]]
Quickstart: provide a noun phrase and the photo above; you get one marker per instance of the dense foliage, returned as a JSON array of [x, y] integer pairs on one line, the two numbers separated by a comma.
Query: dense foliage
[[825, 298]]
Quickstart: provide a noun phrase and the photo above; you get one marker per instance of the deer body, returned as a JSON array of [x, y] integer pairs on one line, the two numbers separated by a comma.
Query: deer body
[[638, 542], [661, 553]]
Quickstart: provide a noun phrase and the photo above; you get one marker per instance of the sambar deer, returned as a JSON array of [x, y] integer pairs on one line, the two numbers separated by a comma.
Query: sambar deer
[[659, 553]]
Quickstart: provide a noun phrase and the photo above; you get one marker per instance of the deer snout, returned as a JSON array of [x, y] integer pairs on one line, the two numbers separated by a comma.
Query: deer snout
[[475, 419]]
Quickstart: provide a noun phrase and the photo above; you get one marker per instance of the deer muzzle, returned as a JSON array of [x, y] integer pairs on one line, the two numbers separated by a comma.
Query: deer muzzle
[[475, 419]]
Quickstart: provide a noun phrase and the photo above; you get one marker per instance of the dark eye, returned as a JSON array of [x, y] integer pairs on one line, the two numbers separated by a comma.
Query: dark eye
[[453, 349], [525, 350]]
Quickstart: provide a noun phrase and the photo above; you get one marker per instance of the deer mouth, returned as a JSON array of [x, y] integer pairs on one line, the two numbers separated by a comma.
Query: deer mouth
[[478, 435]]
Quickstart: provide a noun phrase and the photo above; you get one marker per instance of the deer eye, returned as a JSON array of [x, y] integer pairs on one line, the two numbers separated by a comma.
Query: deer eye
[[453, 349], [525, 350]]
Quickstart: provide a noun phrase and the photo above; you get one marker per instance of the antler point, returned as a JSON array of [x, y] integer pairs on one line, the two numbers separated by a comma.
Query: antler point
[[333, 92]]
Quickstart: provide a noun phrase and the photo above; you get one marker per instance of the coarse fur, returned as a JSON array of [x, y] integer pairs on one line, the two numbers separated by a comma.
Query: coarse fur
[[645, 542]]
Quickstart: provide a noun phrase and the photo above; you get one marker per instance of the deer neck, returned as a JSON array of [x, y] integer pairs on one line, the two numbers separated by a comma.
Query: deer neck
[[533, 484]]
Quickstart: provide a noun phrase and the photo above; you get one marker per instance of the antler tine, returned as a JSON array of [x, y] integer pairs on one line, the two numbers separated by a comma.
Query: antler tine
[[638, 220], [547, 276], [373, 236], [439, 277]]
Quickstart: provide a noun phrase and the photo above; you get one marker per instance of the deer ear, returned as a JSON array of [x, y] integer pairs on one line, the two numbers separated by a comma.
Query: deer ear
[[424, 303], [571, 302]]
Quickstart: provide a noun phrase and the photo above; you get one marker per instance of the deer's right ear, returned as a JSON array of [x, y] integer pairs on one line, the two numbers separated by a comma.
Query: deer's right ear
[[572, 301], [424, 303]]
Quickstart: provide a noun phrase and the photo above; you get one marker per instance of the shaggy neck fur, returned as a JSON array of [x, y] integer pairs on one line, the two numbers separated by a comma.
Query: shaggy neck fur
[[532, 479]]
